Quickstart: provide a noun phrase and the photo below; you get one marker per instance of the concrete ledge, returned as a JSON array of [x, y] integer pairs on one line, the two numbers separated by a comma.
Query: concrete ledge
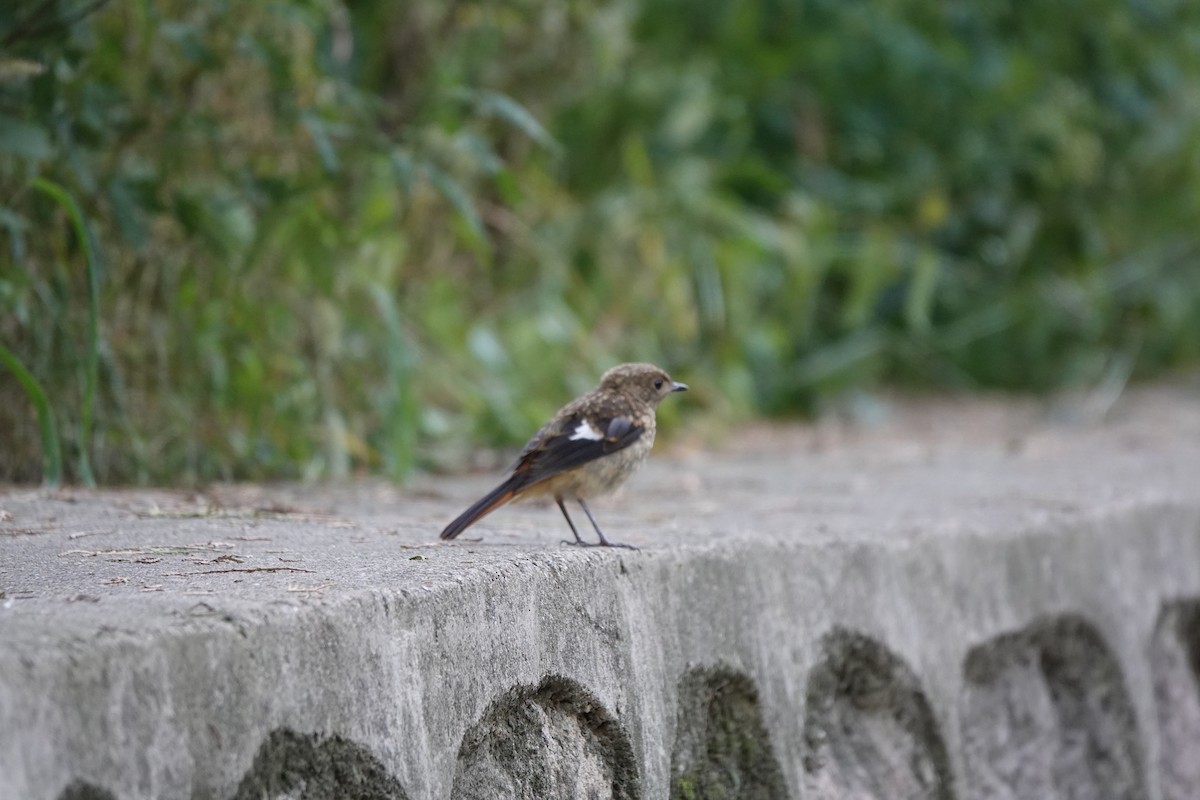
[[971, 601]]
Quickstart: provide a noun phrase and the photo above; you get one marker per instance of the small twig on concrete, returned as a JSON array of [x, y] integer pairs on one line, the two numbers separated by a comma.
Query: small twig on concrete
[[23, 531], [150, 550], [244, 569], [310, 589], [281, 513], [81, 534]]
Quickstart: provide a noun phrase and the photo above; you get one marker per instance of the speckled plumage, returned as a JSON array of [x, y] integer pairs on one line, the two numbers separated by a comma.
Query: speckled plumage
[[590, 447]]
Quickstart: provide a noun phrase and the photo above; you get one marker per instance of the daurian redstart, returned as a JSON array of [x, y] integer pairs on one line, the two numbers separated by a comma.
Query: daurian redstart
[[590, 447]]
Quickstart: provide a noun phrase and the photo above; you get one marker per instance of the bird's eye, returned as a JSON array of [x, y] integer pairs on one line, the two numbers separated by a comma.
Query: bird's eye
[[658, 383]]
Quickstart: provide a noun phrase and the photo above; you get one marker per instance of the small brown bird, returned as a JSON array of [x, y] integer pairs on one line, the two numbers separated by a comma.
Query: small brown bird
[[589, 448]]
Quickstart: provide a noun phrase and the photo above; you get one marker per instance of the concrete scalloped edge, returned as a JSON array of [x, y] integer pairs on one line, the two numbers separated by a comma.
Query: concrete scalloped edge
[[1046, 712], [869, 730], [552, 740]]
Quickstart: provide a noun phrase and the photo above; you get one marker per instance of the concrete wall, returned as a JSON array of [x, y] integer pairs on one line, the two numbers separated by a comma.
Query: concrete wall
[[900, 614]]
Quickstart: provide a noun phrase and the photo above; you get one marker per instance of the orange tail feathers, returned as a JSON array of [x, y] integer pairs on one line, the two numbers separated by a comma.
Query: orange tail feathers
[[482, 507]]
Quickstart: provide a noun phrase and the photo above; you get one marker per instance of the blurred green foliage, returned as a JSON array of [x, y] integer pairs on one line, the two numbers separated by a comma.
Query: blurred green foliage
[[338, 237]]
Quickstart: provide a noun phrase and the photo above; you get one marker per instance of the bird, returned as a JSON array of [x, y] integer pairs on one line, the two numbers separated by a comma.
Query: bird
[[590, 447]]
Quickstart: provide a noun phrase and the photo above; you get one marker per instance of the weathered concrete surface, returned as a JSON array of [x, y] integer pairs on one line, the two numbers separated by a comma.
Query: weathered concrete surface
[[969, 601]]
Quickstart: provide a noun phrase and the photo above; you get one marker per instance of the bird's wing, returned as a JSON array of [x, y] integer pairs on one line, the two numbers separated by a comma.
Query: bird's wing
[[571, 441]]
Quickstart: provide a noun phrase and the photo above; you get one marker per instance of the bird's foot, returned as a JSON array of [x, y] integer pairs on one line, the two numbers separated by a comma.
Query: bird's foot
[[601, 543]]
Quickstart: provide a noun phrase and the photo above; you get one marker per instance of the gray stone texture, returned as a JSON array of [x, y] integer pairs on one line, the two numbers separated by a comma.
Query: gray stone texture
[[968, 600]]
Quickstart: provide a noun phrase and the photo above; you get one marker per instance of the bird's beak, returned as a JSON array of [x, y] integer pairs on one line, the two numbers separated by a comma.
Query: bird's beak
[[678, 387]]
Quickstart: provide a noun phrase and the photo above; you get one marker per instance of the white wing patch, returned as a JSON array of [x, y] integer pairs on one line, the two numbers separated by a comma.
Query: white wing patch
[[585, 431]]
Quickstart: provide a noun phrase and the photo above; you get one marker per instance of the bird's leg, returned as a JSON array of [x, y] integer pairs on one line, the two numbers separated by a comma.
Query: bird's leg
[[603, 542], [580, 542]]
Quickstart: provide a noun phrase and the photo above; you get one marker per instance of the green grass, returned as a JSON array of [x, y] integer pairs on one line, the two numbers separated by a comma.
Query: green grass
[[83, 236], [323, 240], [51, 449]]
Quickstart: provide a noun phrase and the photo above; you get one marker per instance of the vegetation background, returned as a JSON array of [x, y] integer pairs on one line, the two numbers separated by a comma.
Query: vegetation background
[[315, 238]]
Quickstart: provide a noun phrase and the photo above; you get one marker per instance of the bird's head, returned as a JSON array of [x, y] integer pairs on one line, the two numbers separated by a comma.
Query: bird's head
[[643, 381]]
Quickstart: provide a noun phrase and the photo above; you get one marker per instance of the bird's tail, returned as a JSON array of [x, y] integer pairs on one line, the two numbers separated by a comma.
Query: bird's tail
[[483, 506]]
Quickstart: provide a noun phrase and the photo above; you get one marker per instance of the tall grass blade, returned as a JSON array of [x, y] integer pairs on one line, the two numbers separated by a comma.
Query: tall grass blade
[[51, 449], [402, 411], [83, 234]]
